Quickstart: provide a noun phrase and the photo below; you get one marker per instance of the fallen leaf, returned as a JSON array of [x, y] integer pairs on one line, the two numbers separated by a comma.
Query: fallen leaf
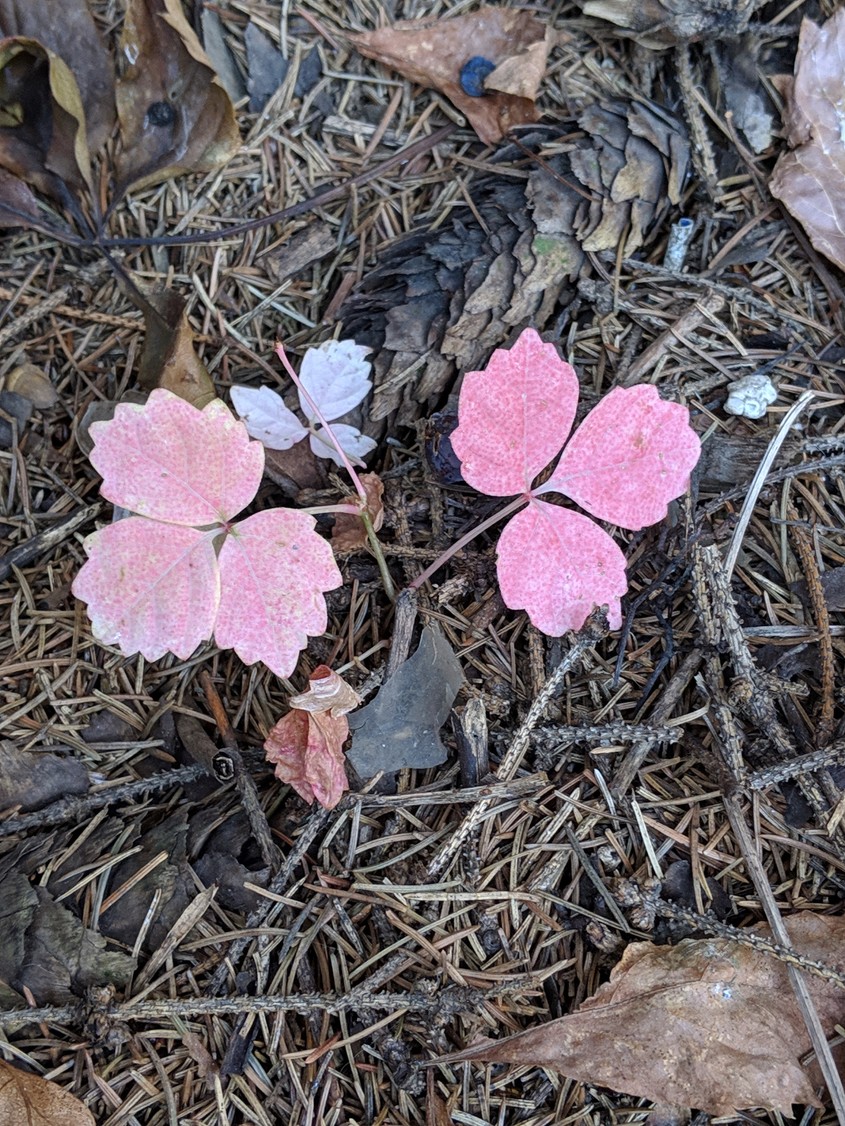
[[155, 583], [513, 45], [31, 382], [29, 1100], [810, 180], [631, 455], [665, 23], [168, 358], [18, 205], [708, 1024], [32, 779], [349, 533], [174, 114], [306, 745], [401, 726], [220, 55]]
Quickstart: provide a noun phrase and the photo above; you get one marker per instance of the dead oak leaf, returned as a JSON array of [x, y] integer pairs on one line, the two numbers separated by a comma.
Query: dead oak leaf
[[810, 180], [29, 1100], [433, 53], [708, 1024]]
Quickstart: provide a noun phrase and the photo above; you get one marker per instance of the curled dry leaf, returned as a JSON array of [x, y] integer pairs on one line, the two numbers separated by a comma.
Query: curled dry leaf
[[810, 180], [433, 52], [349, 533], [707, 1023], [306, 745], [666, 23], [174, 114], [168, 359], [29, 1100]]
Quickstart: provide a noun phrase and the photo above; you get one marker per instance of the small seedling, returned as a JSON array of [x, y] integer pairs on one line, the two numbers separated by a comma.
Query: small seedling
[[632, 455]]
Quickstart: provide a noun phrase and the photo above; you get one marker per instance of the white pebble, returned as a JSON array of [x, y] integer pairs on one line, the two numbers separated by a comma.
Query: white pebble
[[750, 396]]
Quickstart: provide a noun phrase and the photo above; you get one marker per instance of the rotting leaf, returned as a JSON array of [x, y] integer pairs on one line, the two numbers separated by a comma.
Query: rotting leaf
[[168, 359], [434, 52], [174, 114], [810, 180], [32, 779], [664, 23], [708, 1023], [46, 949], [401, 726], [29, 1100], [18, 205], [349, 533]]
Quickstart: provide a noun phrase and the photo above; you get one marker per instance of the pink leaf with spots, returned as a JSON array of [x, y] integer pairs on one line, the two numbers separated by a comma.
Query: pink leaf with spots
[[155, 583], [631, 456]]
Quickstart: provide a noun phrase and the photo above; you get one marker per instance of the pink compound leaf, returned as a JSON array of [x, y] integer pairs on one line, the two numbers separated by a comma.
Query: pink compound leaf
[[151, 588], [557, 565], [274, 569], [631, 455], [514, 416], [169, 461]]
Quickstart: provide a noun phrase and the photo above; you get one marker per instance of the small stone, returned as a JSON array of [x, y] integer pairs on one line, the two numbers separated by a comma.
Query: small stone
[[751, 396]]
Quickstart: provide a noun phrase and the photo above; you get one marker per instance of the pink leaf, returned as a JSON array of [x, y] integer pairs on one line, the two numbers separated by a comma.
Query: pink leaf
[[274, 568], [151, 588], [631, 455], [558, 565], [172, 462], [514, 416]]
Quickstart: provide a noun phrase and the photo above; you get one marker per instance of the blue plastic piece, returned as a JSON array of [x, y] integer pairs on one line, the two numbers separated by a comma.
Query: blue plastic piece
[[473, 74]]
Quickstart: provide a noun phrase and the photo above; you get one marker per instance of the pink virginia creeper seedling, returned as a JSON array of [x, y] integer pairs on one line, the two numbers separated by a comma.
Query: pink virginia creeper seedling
[[180, 570], [631, 455]]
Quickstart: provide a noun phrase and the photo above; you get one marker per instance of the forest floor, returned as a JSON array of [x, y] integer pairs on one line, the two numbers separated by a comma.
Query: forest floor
[[309, 983]]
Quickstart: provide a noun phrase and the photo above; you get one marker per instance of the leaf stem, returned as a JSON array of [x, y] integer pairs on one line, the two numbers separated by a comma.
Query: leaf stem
[[356, 480], [515, 504], [375, 547]]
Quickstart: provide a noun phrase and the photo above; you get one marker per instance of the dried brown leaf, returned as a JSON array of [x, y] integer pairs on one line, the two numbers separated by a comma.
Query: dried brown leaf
[[810, 180], [349, 533], [168, 359], [29, 1100], [707, 1023], [17, 203], [432, 52], [174, 114], [31, 382], [665, 23]]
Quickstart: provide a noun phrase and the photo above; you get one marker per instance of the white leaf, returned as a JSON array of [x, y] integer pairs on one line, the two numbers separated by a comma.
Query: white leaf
[[336, 376], [354, 444], [267, 418]]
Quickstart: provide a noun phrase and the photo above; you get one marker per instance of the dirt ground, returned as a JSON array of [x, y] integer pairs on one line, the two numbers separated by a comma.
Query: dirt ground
[[470, 899]]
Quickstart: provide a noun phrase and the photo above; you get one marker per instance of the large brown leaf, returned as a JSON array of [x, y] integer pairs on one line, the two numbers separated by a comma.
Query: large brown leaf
[[707, 1024], [433, 53], [174, 114], [29, 1100], [810, 180]]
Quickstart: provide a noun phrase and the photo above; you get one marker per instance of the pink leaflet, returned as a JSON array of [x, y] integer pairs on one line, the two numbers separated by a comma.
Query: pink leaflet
[[171, 462], [631, 455], [308, 752], [274, 568], [151, 588], [558, 565], [514, 416]]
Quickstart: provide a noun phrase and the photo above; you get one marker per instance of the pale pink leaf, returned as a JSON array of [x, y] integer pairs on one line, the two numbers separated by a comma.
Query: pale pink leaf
[[514, 416], [151, 588], [169, 461], [557, 565], [266, 417], [308, 754], [355, 445], [274, 568], [327, 692], [336, 375], [631, 455], [810, 180]]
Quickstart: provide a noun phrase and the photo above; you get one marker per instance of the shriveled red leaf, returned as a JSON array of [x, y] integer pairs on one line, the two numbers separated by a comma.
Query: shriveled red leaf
[[349, 533], [274, 569], [631, 455], [169, 461], [810, 180], [306, 745], [174, 114], [514, 416], [707, 1023], [29, 1100], [557, 565], [433, 51], [151, 588]]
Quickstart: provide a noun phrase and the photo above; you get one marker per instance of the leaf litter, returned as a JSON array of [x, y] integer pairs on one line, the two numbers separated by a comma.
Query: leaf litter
[[535, 914]]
